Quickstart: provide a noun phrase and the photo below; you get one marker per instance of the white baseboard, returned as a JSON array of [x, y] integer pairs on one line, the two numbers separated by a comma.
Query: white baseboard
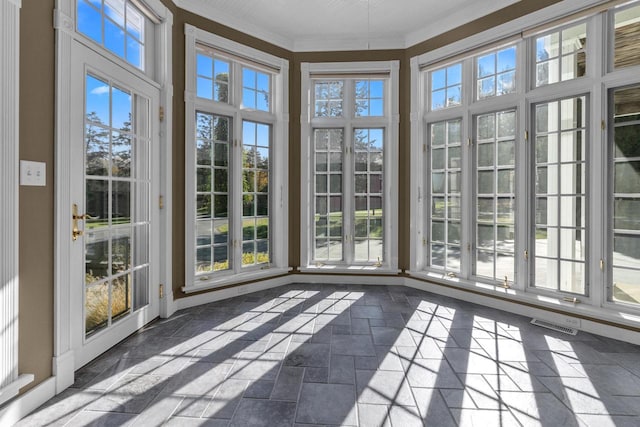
[[63, 370], [22, 405]]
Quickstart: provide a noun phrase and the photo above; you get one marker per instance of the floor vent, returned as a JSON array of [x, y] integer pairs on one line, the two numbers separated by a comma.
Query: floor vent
[[549, 325]]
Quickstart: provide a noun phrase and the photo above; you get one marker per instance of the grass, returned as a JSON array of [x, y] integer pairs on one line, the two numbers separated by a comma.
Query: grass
[[97, 303]]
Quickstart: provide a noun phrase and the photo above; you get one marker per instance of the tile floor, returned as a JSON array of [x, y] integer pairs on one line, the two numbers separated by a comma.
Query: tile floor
[[352, 355]]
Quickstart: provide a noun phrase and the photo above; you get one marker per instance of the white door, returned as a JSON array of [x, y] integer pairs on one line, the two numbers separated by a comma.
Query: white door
[[114, 203]]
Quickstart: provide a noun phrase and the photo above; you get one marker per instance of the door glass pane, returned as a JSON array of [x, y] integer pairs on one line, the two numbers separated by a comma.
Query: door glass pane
[[328, 146], [444, 222], [116, 239], [369, 214], [625, 197], [495, 195], [560, 187], [256, 139]]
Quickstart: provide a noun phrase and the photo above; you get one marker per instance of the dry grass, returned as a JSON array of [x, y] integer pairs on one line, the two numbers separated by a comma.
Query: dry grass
[[97, 302]]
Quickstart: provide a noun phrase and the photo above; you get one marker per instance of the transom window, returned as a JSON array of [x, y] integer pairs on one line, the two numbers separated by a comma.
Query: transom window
[[256, 92], [446, 87], [212, 77], [626, 35], [328, 98], [116, 25], [561, 55], [496, 73]]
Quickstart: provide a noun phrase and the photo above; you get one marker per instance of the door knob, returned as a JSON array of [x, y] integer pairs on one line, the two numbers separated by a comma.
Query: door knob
[[76, 232]]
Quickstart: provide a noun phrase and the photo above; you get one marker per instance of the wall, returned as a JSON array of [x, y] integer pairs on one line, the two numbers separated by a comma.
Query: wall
[[37, 84], [37, 98]]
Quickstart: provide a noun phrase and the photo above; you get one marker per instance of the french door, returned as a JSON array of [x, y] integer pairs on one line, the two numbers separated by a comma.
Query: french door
[[114, 179]]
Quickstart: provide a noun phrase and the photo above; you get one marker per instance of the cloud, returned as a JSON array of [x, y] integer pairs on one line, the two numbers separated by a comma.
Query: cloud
[[100, 90]]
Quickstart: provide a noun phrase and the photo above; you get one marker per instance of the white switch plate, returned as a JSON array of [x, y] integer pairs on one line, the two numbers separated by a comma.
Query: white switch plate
[[33, 173]]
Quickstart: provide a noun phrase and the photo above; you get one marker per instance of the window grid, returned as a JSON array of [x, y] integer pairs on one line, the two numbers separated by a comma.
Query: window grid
[[116, 25], [369, 98], [561, 55], [560, 232], [328, 216], [256, 92], [446, 169], [329, 98], [212, 77], [213, 135], [624, 197], [369, 216], [496, 73], [495, 200], [256, 138], [446, 87]]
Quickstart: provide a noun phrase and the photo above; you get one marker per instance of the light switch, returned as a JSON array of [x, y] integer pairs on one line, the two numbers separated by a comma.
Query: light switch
[[33, 173]]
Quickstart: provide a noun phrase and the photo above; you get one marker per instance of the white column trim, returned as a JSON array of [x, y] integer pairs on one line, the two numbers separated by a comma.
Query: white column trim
[[10, 380]]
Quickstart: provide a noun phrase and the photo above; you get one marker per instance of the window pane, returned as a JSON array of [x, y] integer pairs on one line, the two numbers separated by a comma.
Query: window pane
[[446, 87], [560, 242], [494, 214], [444, 221], [626, 36], [328, 194], [561, 55], [495, 74], [625, 199], [328, 98], [123, 32]]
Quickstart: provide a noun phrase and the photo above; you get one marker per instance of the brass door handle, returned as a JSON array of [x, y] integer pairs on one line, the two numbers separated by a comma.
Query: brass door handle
[[76, 232]]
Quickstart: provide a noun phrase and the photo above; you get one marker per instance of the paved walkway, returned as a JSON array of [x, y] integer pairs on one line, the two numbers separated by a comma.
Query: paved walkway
[[355, 356]]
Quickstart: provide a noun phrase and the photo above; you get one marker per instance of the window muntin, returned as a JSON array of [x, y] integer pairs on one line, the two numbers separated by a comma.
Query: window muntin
[[444, 223], [495, 160], [256, 89], [624, 196], [328, 98], [213, 136], [368, 195], [116, 25], [256, 139], [213, 77], [561, 55], [369, 98], [626, 33], [560, 189], [328, 197], [446, 87], [496, 73]]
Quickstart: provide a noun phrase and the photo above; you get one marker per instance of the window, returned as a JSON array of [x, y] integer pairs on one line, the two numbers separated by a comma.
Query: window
[[561, 55], [446, 180], [236, 151], [116, 25], [626, 35], [624, 196], [350, 137], [560, 189], [495, 207], [496, 73], [446, 87]]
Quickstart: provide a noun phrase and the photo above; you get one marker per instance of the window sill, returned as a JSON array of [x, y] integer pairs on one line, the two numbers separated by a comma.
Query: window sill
[[233, 279], [352, 269], [584, 309]]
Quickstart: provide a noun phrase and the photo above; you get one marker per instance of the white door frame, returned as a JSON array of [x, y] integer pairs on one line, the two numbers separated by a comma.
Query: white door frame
[[64, 363]]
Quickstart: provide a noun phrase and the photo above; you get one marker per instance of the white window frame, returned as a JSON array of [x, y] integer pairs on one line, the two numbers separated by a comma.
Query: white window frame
[[598, 80], [278, 118], [390, 121]]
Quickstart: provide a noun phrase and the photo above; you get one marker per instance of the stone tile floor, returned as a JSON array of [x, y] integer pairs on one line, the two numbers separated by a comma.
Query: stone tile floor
[[352, 355]]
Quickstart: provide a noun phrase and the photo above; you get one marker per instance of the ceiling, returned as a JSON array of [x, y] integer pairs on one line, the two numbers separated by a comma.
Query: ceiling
[[326, 25]]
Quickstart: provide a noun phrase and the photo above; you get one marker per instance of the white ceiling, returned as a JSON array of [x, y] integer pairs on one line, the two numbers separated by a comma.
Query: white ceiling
[[323, 25]]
